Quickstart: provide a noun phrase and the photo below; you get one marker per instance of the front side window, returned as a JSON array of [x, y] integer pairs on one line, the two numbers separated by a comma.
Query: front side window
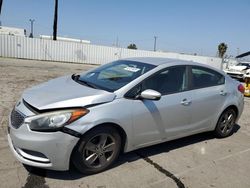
[[115, 75], [167, 81], [204, 77]]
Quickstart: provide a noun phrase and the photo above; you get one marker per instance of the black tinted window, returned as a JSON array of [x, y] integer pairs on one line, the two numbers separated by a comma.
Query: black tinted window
[[167, 81], [204, 77]]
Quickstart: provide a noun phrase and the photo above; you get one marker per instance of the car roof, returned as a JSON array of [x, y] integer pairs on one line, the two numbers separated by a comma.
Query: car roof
[[157, 60], [163, 61]]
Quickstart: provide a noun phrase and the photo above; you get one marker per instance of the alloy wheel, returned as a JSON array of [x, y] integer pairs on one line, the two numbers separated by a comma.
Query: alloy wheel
[[227, 122], [99, 150]]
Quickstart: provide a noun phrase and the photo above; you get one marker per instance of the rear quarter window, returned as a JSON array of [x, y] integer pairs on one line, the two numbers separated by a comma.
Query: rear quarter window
[[205, 77]]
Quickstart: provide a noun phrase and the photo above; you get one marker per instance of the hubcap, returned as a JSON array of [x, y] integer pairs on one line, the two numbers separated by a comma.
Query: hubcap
[[99, 150], [227, 122]]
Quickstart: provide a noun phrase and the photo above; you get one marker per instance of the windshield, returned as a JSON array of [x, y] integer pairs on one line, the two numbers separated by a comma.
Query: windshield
[[244, 64], [113, 76]]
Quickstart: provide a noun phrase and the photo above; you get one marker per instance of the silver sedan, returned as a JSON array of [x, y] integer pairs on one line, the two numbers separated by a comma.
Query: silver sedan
[[92, 117]]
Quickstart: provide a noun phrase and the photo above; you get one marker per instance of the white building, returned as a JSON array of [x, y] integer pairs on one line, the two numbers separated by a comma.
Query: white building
[[12, 31]]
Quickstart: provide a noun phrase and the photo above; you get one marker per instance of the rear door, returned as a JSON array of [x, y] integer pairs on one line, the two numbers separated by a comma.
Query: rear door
[[209, 94]]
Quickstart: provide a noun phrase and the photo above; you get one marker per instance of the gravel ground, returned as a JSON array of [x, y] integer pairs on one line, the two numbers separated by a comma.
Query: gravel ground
[[196, 161]]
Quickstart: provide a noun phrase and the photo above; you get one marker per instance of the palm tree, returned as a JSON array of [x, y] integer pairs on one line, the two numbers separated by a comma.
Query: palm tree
[[222, 48], [55, 20]]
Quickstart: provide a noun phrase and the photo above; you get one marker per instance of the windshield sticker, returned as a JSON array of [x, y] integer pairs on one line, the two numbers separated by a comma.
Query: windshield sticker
[[132, 69]]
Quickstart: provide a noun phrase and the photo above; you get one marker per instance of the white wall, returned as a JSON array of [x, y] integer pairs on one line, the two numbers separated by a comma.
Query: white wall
[[40, 49]]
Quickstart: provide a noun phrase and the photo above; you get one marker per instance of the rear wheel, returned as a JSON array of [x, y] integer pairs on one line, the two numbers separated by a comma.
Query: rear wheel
[[225, 123], [97, 150]]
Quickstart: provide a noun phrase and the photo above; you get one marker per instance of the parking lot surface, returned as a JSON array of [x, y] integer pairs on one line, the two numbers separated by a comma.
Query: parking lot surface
[[200, 161]]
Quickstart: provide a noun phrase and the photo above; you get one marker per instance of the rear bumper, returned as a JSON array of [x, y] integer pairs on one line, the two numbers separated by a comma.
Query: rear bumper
[[44, 150], [240, 106]]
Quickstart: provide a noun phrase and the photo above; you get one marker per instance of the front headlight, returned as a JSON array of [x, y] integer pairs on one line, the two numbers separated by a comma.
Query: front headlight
[[54, 120]]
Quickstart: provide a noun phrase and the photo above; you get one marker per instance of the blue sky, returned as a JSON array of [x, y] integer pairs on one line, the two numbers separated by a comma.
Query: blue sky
[[189, 26]]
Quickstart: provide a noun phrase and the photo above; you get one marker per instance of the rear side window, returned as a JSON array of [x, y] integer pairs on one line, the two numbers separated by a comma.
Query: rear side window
[[205, 77]]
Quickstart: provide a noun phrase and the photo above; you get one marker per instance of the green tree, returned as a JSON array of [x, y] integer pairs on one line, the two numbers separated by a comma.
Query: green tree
[[132, 46], [222, 48]]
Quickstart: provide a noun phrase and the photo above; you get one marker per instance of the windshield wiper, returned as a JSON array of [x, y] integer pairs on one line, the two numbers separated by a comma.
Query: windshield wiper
[[76, 78]]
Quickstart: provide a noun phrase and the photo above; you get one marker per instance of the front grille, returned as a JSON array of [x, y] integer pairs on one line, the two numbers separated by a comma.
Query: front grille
[[16, 119]]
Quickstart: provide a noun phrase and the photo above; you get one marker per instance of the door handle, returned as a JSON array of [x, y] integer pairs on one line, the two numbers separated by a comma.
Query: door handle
[[223, 93], [186, 102]]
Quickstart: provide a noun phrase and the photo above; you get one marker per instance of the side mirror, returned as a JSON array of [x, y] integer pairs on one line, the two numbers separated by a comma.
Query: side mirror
[[150, 95]]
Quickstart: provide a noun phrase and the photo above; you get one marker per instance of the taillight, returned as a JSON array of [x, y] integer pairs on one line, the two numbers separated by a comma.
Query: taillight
[[241, 88]]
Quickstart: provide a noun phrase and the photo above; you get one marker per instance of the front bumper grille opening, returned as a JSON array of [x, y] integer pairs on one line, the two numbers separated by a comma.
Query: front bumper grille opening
[[16, 118], [33, 155]]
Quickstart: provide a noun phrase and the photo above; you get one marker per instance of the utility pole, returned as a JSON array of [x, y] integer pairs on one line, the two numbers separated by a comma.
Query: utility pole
[[117, 42], [31, 27], [55, 20], [1, 3], [155, 37], [238, 51]]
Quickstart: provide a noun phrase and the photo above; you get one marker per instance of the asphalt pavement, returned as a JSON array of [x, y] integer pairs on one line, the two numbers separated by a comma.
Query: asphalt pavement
[[199, 161]]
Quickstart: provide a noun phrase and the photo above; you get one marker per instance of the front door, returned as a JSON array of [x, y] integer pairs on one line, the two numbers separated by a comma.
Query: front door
[[155, 121]]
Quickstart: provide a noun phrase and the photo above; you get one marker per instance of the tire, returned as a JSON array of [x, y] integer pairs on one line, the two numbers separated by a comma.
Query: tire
[[97, 150], [226, 123]]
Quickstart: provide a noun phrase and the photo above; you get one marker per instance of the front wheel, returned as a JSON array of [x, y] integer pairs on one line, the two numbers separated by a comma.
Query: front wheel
[[97, 150], [225, 123]]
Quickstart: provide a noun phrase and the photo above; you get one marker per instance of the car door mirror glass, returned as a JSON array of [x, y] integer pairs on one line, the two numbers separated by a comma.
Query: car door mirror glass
[[150, 95]]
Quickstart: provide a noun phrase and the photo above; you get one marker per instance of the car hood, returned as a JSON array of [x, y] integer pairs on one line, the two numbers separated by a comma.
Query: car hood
[[64, 92], [237, 67]]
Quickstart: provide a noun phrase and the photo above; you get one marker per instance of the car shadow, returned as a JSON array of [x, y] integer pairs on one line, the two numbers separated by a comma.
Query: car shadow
[[165, 147]]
